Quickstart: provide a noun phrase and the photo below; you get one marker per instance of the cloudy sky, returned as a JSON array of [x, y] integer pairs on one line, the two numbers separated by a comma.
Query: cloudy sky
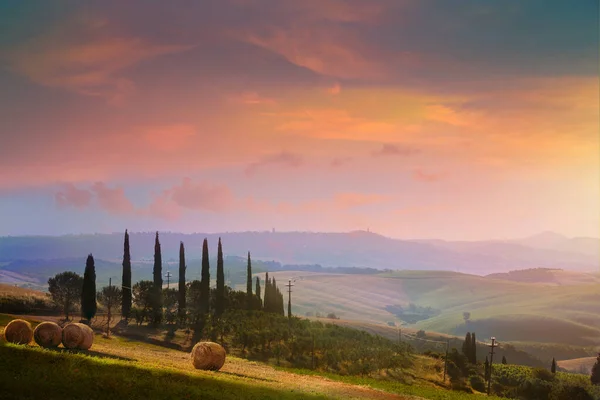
[[452, 119]]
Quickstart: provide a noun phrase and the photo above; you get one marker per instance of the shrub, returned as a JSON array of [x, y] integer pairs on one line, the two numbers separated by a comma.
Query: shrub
[[477, 383], [543, 374]]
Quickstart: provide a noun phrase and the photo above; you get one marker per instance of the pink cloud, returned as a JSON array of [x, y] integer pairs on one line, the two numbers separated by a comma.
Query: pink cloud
[[162, 207], [421, 176], [202, 196], [114, 200], [338, 162], [250, 98], [283, 158], [70, 195]]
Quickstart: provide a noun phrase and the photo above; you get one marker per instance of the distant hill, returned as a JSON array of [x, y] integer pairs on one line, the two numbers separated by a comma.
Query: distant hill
[[354, 249], [555, 241]]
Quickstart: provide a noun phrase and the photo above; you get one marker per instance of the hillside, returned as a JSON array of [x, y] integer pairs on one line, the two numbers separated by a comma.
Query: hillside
[[126, 368], [566, 313]]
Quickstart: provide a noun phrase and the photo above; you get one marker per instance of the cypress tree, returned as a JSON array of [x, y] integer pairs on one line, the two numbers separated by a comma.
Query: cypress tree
[[205, 279], [266, 300], [466, 347], [595, 376], [473, 349], [487, 369], [126, 279], [88, 292], [182, 287], [275, 297], [220, 303], [553, 367], [157, 286], [504, 360], [249, 283], [257, 289]]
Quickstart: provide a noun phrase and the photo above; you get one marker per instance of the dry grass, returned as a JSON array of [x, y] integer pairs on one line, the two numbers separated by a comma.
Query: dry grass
[[577, 364], [11, 290], [235, 369]]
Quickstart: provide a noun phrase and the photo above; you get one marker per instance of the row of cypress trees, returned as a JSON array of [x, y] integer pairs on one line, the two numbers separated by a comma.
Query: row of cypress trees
[[469, 347], [273, 299]]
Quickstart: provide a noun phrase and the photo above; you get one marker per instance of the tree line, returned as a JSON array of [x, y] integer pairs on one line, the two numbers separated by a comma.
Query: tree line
[[147, 301]]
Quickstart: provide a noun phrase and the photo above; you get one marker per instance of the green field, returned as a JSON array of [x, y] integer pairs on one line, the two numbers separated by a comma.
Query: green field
[[564, 311], [126, 368]]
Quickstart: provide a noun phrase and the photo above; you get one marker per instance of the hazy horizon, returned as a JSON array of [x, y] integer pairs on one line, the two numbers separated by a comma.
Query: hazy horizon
[[321, 116], [132, 232]]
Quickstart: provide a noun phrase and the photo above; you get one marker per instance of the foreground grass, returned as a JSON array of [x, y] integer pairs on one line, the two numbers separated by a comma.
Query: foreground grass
[[391, 386], [33, 373]]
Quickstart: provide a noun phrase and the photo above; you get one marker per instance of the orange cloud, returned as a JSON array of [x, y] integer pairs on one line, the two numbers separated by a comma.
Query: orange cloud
[[92, 66], [352, 200], [335, 89], [169, 137], [420, 175], [250, 98], [388, 149]]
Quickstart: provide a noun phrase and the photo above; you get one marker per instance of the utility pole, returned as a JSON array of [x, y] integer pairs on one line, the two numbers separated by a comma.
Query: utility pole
[[109, 306], [493, 345], [446, 359], [168, 276], [289, 286]]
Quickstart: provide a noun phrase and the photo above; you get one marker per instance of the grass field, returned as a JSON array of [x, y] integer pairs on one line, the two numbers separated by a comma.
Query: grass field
[[124, 368], [583, 364], [564, 311]]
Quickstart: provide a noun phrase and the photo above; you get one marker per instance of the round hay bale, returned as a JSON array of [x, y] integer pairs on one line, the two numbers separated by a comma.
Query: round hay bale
[[88, 339], [18, 331], [48, 334], [77, 336], [208, 356]]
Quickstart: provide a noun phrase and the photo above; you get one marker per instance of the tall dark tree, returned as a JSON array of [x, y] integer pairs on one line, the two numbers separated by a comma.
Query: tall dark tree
[[595, 377], [289, 302], [65, 289], [157, 274], [205, 279], [553, 367], [249, 282], [504, 360], [266, 300], [220, 295], [88, 292], [466, 347], [487, 369], [257, 290], [473, 349], [181, 293], [126, 280]]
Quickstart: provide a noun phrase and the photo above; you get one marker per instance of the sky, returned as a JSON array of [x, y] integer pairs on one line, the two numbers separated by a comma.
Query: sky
[[458, 120]]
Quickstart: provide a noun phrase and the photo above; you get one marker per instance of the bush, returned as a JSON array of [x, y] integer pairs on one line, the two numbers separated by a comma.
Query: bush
[[543, 374], [571, 392], [477, 383]]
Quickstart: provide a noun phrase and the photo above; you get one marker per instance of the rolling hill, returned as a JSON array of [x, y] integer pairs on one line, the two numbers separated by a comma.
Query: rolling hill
[[510, 310]]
